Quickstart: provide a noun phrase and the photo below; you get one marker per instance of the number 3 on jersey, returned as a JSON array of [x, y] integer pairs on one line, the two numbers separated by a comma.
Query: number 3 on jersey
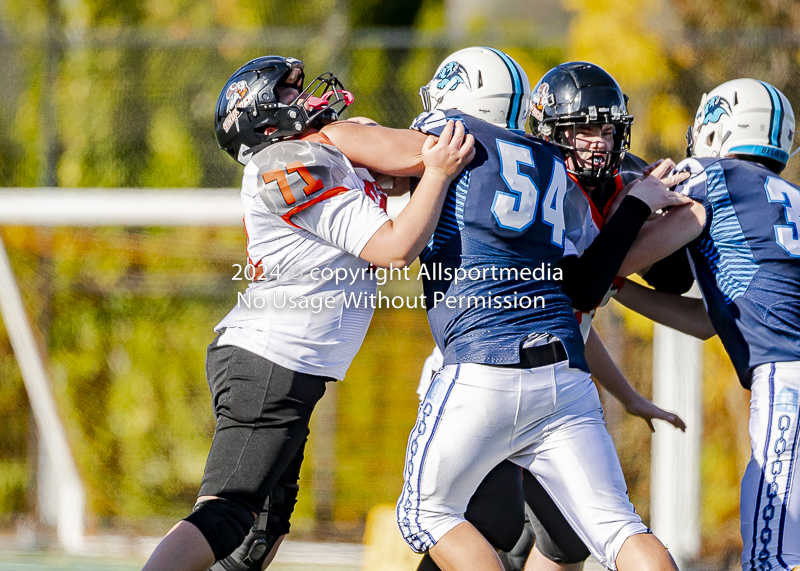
[[515, 209], [787, 237]]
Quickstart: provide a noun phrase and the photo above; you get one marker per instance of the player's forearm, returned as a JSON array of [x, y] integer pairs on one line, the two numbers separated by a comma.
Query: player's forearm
[[587, 279], [396, 152], [660, 238], [673, 274], [398, 243], [393, 185], [685, 314], [606, 372]]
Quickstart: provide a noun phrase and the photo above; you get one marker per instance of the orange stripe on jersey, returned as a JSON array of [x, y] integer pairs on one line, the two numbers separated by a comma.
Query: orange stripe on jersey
[[327, 194], [600, 217]]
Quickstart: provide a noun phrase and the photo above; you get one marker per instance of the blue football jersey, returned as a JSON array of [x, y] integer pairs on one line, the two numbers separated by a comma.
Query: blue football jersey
[[747, 260], [491, 276]]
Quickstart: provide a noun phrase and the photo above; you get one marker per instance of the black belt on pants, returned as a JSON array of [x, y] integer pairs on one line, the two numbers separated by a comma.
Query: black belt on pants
[[539, 356]]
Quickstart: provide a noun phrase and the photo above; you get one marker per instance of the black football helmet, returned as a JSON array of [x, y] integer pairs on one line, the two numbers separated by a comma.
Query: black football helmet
[[578, 93], [249, 105]]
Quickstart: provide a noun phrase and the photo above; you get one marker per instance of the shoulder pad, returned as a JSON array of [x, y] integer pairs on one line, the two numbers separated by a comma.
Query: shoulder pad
[[693, 166], [293, 173], [632, 167], [551, 147], [698, 176], [432, 122]]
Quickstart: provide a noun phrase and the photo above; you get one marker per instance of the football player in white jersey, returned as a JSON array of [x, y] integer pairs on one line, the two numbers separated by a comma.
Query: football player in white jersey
[[314, 224], [405, 160]]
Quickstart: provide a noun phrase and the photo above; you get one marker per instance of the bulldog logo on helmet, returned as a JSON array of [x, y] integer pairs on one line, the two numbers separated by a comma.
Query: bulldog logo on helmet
[[714, 109]]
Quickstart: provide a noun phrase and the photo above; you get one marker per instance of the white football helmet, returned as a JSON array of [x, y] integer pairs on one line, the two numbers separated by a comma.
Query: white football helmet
[[743, 117], [482, 82]]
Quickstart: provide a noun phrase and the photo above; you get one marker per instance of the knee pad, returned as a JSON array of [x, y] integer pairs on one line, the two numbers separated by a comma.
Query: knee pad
[[223, 523], [254, 549], [270, 525]]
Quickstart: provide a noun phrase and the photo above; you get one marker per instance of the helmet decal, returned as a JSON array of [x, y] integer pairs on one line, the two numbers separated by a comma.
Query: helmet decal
[[451, 76], [232, 117], [237, 95], [540, 98], [714, 109]]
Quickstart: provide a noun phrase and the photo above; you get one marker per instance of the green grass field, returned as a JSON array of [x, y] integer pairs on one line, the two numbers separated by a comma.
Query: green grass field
[[52, 562]]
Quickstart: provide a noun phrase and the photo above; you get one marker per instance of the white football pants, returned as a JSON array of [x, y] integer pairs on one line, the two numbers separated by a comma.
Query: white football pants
[[770, 504], [548, 420]]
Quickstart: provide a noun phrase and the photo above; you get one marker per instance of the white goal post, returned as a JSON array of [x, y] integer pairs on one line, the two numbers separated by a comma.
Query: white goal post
[[51, 207], [60, 490]]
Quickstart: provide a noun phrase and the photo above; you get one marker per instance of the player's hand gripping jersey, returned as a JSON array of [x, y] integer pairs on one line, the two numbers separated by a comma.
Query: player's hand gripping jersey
[[747, 260], [308, 212], [504, 213]]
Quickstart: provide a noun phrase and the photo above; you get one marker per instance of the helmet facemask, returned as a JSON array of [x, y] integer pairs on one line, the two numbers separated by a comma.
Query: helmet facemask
[[592, 167], [324, 100], [576, 94], [319, 104]]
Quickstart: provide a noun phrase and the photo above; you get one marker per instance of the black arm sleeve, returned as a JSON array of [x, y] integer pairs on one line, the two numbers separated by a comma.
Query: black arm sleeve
[[673, 274], [586, 279]]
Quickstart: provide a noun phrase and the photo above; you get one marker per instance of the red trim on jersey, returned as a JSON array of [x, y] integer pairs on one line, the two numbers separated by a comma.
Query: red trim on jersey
[[598, 217], [336, 190]]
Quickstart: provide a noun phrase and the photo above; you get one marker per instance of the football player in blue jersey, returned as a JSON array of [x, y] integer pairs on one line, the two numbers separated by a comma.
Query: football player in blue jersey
[[747, 264], [505, 108], [583, 110], [514, 383]]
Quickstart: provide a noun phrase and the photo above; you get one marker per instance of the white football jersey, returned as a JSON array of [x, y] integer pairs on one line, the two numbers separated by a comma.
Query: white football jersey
[[307, 213]]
